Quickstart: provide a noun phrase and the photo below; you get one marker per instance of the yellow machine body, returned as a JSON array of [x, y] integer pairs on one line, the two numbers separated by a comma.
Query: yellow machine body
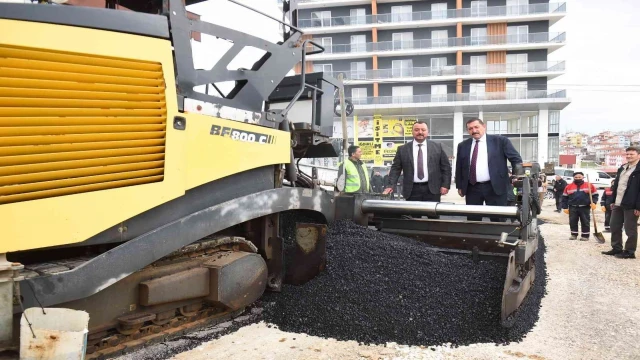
[[87, 135]]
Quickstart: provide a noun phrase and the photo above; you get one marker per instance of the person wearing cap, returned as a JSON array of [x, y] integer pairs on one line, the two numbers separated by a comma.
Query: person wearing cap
[[576, 203]]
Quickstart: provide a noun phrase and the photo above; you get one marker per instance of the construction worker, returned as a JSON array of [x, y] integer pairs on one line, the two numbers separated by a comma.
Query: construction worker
[[576, 203], [607, 200], [357, 175]]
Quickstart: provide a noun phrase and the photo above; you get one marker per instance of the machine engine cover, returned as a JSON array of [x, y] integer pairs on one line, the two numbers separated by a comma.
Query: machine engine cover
[[237, 279]]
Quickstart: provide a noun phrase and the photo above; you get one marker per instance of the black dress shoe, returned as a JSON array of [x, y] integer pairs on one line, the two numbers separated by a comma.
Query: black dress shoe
[[626, 255], [612, 252]]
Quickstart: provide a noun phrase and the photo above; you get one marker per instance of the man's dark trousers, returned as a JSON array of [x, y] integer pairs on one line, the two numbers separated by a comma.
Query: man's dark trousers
[[482, 193], [558, 201], [607, 219], [579, 213], [420, 192], [618, 216]]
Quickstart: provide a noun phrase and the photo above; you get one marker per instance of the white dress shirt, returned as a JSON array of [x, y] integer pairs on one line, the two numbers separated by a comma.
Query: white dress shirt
[[482, 164], [424, 162]]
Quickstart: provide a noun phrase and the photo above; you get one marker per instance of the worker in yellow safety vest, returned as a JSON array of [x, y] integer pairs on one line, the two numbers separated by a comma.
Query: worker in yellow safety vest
[[357, 176]]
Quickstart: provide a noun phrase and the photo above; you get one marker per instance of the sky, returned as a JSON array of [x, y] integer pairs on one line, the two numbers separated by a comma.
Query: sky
[[233, 16], [602, 49], [602, 78]]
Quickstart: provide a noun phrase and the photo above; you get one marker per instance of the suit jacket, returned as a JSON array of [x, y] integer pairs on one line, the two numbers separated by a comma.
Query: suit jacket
[[499, 150], [438, 168]]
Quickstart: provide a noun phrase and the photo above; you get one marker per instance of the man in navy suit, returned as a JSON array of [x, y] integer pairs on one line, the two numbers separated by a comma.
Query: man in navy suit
[[481, 167]]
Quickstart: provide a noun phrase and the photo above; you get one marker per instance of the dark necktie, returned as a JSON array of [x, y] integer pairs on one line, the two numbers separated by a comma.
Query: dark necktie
[[420, 163], [474, 161]]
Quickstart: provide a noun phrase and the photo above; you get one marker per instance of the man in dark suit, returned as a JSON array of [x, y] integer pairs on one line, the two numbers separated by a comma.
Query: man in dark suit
[[481, 167], [425, 165]]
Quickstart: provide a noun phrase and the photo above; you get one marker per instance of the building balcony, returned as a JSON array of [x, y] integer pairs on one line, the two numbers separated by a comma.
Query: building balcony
[[549, 41], [313, 4], [513, 100], [468, 16], [549, 69]]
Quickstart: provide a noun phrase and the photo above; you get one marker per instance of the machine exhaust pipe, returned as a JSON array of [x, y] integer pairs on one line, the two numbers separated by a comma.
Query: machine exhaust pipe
[[436, 209]]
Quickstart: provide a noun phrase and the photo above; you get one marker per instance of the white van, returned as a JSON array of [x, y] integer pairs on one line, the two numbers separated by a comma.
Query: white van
[[598, 178]]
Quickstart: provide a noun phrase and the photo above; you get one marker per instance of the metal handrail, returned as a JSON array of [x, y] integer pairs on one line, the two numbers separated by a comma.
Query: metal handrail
[[516, 94], [452, 70], [468, 41], [465, 13]]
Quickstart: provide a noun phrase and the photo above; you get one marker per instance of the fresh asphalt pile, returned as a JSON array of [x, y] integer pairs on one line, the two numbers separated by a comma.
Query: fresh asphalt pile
[[380, 288]]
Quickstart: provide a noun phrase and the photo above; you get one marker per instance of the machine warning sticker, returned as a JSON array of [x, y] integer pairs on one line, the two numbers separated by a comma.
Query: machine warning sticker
[[241, 135]]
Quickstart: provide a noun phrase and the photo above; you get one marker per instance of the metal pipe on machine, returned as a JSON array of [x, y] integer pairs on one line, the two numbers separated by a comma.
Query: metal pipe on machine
[[437, 209]]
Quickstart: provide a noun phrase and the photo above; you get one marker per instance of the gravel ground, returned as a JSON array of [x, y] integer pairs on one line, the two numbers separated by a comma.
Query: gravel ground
[[590, 311]]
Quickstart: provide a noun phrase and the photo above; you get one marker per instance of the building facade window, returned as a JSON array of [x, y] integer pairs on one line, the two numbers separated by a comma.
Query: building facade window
[[359, 70], [438, 93], [554, 122], [479, 36], [439, 10], [517, 63], [518, 34], [402, 41], [478, 64], [358, 43], [402, 94], [401, 13], [517, 7], [529, 123], [476, 91], [554, 149], [478, 8], [441, 126], [402, 68], [437, 65], [326, 68], [358, 16], [327, 44], [529, 149], [359, 95], [517, 90], [439, 38], [321, 18]]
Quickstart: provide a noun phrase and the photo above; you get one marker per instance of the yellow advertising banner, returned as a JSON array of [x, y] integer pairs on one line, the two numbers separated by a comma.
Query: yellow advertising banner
[[365, 127], [368, 153], [408, 125], [389, 150], [392, 128], [377, 140]]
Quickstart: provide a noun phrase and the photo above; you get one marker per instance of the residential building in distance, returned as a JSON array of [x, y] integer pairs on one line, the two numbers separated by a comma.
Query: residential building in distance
[[615, 159], [443, 62], [605, 150]]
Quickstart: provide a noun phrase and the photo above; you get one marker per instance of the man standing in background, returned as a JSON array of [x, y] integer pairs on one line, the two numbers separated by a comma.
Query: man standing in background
[[625, 209], [558, 190], [377, 183]]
